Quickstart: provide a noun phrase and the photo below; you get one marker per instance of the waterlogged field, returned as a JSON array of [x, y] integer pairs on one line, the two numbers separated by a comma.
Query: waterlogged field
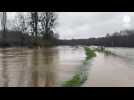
[[66, 66], [39, 67]]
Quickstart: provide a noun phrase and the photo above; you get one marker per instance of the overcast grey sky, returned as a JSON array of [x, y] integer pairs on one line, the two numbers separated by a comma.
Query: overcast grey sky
[[91, 24]]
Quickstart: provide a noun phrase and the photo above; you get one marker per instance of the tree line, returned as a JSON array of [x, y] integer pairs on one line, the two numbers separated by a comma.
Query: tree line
[[38, 26], [123, 38]]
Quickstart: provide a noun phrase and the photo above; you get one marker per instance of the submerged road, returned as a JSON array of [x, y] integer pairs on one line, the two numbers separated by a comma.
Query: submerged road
[[112, 71]]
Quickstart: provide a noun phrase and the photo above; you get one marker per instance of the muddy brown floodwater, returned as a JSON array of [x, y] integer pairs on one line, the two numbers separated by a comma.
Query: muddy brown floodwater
[[112, 71], [48, 67], [43, 67]]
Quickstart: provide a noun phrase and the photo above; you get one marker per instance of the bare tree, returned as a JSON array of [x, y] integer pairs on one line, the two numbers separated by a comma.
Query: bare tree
[[48, 22], [3, 24], [34, 23], [4, 21], [34, 26], [20, 23]]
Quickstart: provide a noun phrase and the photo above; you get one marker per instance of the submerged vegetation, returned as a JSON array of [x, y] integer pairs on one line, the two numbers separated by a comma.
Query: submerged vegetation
[[80, 77], [103, 50], [89, 53], [76, 81]]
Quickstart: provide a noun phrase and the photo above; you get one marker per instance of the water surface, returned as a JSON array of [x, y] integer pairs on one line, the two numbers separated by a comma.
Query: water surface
[[38, 67], [109, 70], [48, 67]]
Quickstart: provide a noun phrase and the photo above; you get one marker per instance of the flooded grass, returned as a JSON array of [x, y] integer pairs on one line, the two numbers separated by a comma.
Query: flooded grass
[[107, 52], [76, 81], [89, 53], [80, 77]]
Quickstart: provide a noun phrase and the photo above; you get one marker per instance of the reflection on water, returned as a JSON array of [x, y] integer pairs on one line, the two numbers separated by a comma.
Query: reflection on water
[[43, 67], [4, 69]]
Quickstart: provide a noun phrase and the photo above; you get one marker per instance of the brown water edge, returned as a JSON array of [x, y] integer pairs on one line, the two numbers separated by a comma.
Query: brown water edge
[[111, 71], [42, 67]]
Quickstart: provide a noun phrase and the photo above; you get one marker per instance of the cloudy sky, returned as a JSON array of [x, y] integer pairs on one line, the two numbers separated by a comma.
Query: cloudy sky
[[91, 24]]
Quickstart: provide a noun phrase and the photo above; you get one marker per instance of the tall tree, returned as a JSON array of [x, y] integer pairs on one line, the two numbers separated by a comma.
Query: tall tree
[[48, 22], [3, 24], [4, 20], [34, 26], [34, 23]]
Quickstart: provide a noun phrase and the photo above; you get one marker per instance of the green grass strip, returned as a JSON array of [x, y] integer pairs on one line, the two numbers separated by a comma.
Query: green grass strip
[[81, 76]]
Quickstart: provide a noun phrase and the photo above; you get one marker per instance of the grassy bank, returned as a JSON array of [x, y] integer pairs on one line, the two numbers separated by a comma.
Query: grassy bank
[[81, 76]]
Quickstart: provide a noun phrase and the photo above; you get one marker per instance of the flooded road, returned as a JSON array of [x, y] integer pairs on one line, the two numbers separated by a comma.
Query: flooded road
[[48, 67], [112, 71]]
